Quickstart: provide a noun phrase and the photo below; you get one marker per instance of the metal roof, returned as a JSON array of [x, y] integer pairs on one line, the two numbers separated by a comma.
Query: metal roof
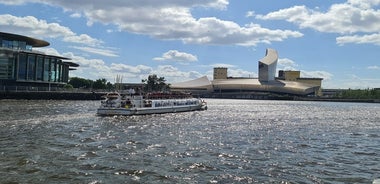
[[29, 41]]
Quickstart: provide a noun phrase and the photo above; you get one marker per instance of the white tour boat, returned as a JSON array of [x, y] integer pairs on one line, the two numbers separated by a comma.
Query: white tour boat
[[154, 103]]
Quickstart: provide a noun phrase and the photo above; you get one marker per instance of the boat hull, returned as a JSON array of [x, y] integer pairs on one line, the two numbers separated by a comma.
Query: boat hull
[[110, 111]]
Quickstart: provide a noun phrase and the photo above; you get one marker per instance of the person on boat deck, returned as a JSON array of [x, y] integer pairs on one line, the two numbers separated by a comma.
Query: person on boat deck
[[131, 91]]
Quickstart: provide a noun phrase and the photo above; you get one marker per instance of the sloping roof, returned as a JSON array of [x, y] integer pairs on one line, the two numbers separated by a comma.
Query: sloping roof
[[247, 84], [202, 82], [253, 84], [30, 41]]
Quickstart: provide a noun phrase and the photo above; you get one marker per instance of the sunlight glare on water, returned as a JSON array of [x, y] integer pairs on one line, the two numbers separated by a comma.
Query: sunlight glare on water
[[234, 141]]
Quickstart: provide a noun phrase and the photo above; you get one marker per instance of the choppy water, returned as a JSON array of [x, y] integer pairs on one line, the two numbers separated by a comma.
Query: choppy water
[[235, 141]]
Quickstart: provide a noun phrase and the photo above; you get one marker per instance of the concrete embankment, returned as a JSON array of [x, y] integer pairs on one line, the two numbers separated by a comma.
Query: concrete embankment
[[51, 95], [266, 96], [67, 95]]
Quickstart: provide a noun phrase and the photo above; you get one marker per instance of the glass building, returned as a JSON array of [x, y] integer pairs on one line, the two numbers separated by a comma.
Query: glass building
[[21, 66]]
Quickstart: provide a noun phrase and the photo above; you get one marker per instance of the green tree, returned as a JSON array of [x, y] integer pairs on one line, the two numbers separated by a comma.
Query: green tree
[[154, 83], [110, 86], [77, 82], [359, 94], [68, 86], [100, 84]]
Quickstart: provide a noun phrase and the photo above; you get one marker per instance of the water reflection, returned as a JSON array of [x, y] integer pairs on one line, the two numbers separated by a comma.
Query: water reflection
[[235, 141]]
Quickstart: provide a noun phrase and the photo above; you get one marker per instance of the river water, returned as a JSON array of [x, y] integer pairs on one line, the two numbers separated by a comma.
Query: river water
[[235, 141]]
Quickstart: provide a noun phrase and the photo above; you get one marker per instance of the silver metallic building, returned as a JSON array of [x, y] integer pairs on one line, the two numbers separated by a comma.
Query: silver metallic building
[[267, 66], [266, 82]]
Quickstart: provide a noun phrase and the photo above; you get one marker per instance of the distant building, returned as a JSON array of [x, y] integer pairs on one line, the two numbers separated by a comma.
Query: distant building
[[132, 88], [289, 75], [296, 76], [288, 82], [267, 66], [220, 73], [22, 67]]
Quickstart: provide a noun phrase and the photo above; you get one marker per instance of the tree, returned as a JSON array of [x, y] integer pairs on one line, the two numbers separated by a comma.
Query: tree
[[154, 83], [68, 86], [77, 82], [100, 84]]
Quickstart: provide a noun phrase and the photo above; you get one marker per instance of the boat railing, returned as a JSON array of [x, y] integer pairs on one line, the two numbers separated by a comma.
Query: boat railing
[[169, 102]]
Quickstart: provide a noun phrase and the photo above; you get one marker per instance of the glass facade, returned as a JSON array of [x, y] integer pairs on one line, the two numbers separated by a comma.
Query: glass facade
[[30, 67], [6, 66], [20, 65], [15, 45], [36, 67], [40, 68], [46, 71]]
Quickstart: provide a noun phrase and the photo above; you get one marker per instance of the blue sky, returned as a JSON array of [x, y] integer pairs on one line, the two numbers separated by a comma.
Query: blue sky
[[338, 40]]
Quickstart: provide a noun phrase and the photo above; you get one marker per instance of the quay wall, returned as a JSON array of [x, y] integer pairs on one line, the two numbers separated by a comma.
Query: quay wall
[[266, 96], [69, 95], [51, 95]]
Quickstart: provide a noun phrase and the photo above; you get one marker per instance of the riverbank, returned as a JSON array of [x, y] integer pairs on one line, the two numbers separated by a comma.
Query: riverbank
[[69, 95], [51, 95], [266, 96], [337, 100]]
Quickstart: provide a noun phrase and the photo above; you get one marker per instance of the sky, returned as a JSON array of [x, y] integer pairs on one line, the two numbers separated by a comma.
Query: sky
[[180, 40]]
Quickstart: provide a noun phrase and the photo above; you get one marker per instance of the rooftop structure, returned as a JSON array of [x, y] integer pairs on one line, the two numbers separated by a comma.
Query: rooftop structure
[[267, 66], [288, 82], [23, 67], [220, 73]]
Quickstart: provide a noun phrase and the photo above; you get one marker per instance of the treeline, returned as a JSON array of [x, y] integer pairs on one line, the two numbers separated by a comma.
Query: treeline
[[77, 82], [151, 84], [359, 94]]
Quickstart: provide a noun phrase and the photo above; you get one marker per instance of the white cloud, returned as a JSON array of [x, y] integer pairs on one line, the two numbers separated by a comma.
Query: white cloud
[[353, 16], [171, 20], [49, 51], [250, 14], [224, 65], [375, 67], [173, 74], [359, 39], [211, 30], [232, 71], [286, 64], [317, 74], [237, 72], [97, 68], [139, 69], [42, 29], [13, 2], [99, 51], [340, 18], [364, 4], [352, 81], [174, 55], [76, 15]]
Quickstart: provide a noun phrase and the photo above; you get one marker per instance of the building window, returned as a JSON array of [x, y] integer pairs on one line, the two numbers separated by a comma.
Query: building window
[[22, 66], [15, 45], [31, 67], [22, 45], [53, 69], [40, 68], [46, 69], [6, 65], [59, 71]]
